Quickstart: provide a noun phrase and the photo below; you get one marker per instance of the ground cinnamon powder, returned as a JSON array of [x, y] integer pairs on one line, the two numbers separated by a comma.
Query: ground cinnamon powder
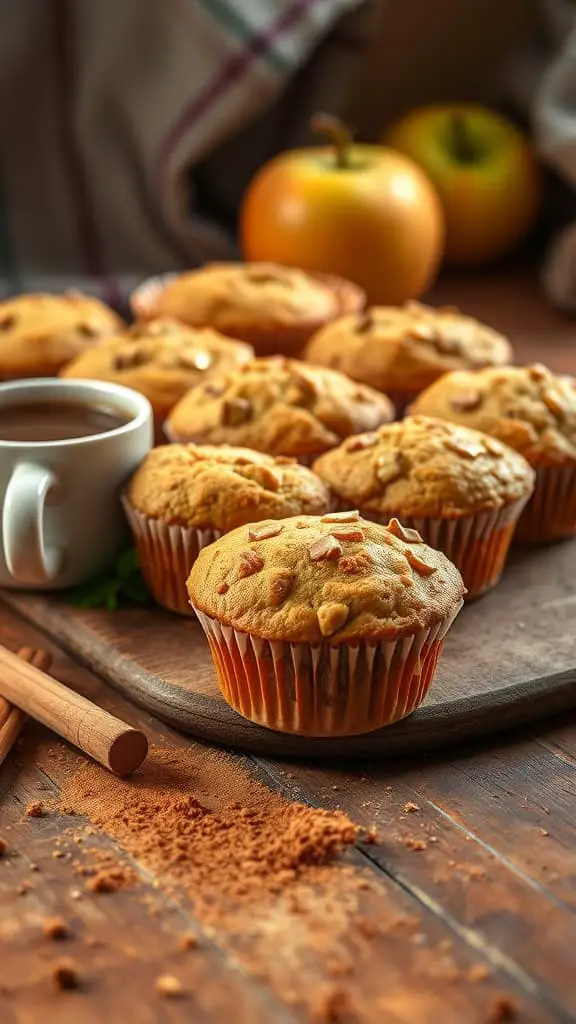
[[235, 850]]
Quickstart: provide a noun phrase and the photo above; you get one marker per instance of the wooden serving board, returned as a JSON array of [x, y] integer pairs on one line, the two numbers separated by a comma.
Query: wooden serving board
[[510, 658]]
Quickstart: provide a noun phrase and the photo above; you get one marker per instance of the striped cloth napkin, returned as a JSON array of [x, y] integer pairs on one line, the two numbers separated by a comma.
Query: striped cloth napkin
[[130, 129]]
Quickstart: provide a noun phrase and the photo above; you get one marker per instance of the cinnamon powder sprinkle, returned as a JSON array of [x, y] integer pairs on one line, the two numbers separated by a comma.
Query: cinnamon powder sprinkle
[[35, 809], [237, 851]]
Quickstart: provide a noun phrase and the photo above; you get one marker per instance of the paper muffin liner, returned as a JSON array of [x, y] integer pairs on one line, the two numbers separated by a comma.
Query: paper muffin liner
[[551, 512], [167, 554], [322, 690], [477, 544], [266, 340]]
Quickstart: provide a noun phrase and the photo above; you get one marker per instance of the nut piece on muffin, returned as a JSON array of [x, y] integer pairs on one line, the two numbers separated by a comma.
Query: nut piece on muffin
[[182, 497], [280, 406], [534, 411], [402, 350], [39, 334], [274, 308], [325, 626], [460, 489], [162, 359]]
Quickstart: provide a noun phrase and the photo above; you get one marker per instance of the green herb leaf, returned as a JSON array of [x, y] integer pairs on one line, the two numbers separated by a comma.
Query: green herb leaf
[[123, 584]]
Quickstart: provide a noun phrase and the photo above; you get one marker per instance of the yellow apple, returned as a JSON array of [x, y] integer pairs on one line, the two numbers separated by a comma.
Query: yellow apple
[[485, 173]]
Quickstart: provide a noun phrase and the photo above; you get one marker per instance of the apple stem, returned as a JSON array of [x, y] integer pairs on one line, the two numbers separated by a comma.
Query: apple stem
[[337, 133], [464, 145]]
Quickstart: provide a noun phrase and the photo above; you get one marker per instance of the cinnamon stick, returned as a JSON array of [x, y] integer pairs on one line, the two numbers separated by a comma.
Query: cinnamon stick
[[12, 718], [107, 739]]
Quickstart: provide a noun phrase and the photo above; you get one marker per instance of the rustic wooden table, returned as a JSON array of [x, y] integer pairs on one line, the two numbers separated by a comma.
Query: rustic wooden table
[[470, 912]]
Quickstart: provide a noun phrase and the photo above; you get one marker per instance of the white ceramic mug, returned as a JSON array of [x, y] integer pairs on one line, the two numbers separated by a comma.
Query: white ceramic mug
[[62, 520]]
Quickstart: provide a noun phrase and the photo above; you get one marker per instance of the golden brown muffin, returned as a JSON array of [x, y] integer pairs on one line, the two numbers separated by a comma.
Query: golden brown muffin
[[461, 489], [280, 406], [39, 334], [402, 350], [183, 497], [162, 359], [534, 411], [295, 590], [276, 309]]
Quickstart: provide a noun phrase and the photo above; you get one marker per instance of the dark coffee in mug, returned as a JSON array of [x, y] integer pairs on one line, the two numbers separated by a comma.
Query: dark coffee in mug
[[58, 420]]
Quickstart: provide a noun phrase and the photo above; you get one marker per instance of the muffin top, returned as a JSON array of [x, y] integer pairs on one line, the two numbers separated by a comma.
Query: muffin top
[[221, 488], [232, 296], [407, 347], [280, 406], [337, 576], [162, 358], [40, 333], [528, 407], [425, 467]]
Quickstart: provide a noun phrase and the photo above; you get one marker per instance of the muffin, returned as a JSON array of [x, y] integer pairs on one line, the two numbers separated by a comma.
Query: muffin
[[534, 411], [402, 350], [324, 626], [162, 359], [279, 406], [183, 497], [461, 490], [276, 309], [39, 334]]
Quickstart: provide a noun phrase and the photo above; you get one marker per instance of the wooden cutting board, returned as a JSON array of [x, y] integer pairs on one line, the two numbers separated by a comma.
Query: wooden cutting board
[[510, 658]]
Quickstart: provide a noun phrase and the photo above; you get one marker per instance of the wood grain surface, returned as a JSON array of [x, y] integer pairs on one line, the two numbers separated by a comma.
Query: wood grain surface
[[509, 659]]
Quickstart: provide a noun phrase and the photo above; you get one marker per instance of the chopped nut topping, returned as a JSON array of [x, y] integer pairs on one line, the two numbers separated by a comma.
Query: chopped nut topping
[[236, 411], [423, 331], [466, 401], [130, 359], [87, 330], [404, 532], [264, 532], [169, 986], [250, 562], [447, 344], [341, 517], [280, 587], [418, 564], [261, 475], [553, 403], [355, 564], [331, 617], [195, 359], [492, 445], [214, 390], [222, 588], [389, 467], [348, 533], [365, 322], [471, 449], [325, 548], [537, 372], [6, 322], [360, 441]]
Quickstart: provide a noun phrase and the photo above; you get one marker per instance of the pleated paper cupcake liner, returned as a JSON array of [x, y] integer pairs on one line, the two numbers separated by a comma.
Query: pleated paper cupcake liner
[[322, 690], [551, 512], [477, 545], [167, 554]]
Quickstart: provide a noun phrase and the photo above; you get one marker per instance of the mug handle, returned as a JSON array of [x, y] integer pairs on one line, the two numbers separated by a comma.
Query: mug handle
[[29, 559]]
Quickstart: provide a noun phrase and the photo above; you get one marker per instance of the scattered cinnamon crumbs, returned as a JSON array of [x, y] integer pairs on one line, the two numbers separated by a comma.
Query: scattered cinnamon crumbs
[[187, 941], [478, 973], [410, 807], [502, 1011], [169, 986], [414, 844], [111, 879], [65, 975], [55, 928], [35, 809]]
